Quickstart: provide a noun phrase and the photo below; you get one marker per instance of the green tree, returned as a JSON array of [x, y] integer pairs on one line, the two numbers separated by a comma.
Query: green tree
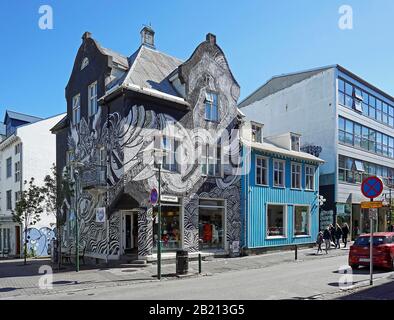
[[28, 208], [57, 189]]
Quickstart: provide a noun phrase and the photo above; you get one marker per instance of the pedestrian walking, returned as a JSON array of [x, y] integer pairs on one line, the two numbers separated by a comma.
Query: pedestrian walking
[[332, 233], [319, 242], [338, 236], [345, 233], [327, 239]]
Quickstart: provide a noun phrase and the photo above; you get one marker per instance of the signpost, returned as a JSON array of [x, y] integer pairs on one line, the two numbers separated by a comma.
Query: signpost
[[371, 188]]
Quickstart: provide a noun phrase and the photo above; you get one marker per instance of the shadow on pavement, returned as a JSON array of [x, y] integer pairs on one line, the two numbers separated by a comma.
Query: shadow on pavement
[[381, 292]]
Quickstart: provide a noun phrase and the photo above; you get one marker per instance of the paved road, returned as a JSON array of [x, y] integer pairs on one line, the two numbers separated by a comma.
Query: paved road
[[308, 279]]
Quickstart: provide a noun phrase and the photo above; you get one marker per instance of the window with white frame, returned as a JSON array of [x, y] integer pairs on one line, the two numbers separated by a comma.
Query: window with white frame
[[261, 171], [17, 171], [211, 160], [92, 95], [211, 107], [276, 220], [9, 167], [301, 221], [4, 240], [295, 142], [279, 173], [170, 147], [309, 178], [9, 199], [296, 175], [76, 109], [18, 148], [257, 133]]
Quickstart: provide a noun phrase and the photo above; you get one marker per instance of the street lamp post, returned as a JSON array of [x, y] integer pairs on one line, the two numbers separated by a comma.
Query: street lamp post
[[158, 158]]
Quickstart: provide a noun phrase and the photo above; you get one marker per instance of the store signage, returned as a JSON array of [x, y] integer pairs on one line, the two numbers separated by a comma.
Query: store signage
[[168, 198], [372, 187], [371, 204], [100, 215]]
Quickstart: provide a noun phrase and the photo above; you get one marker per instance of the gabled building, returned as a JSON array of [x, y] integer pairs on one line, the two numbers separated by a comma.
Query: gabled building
[[26, 151], [345, 119], [280, 188], [121, 110]]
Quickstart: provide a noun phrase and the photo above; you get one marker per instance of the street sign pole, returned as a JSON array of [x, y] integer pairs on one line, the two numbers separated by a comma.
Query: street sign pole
[[371, 246]]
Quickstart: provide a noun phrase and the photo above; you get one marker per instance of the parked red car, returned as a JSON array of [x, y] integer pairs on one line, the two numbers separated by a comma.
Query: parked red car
[[383, 251]]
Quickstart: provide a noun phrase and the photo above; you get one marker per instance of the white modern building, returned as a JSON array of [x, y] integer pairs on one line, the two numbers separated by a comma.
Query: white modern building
[[344, 120], [27, 149]]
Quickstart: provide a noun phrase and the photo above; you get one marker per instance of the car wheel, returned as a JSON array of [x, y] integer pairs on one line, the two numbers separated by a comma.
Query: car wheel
[[354, 266]]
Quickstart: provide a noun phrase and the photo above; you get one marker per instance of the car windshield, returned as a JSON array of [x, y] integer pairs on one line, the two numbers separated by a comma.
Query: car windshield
[[364, 241]]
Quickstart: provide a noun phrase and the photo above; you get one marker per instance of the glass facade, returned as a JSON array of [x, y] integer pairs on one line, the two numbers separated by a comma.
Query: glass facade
[[211, 224], [355, 171], [352, 97], [170, 228], [362, 137]]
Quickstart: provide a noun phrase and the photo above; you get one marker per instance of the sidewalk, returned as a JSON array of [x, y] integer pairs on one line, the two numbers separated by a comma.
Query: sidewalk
[[19, 280]]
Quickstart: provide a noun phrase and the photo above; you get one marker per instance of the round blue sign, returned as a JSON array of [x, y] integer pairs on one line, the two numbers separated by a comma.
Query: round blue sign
[[154, 196], [372, 187]]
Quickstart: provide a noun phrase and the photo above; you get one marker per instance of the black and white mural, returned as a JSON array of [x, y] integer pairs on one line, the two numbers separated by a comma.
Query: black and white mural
[[131, 134]]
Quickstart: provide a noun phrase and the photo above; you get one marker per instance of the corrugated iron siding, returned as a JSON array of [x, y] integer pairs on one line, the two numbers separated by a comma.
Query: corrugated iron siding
[[259, 196]]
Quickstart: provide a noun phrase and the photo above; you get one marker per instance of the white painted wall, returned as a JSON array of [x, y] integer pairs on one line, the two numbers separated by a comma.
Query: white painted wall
[[307, 108], [38, 155]]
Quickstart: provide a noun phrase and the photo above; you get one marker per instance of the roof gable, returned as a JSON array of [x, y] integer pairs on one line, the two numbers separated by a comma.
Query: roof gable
[[20, 117]]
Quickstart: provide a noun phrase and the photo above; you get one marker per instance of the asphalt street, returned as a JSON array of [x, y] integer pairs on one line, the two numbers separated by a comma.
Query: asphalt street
[[309, 279]]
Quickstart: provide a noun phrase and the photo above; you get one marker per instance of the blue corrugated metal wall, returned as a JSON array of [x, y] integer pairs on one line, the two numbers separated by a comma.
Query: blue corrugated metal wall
[[259, 196]]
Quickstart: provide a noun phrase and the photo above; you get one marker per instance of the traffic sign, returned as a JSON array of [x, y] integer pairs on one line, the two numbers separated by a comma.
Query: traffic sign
[[154, 196], [373, 214], [371, 204], [372, 187]]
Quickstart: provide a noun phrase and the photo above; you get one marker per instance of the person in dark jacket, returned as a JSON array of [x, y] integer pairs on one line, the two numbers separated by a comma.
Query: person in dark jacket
[[338, 236], [332, 233], [345, 233], [327, 239]]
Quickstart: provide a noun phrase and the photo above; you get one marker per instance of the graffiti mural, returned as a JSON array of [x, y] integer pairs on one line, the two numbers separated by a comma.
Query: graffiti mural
[[39, 241]]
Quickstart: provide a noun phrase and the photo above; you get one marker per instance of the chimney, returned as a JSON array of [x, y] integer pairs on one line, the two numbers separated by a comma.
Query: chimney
[[211, 38], [86, 35], [148, 37]]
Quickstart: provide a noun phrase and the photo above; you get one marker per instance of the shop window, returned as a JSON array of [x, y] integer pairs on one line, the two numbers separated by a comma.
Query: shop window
[[276, 224], [170, 228], [301, 221], [211, 224]]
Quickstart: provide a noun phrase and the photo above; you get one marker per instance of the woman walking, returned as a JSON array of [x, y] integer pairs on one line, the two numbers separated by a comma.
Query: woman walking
[[338, 236], [327, 239], [319, 242], [345, 233]]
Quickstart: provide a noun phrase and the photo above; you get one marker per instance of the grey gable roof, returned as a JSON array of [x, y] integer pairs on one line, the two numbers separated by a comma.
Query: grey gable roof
[[20, 116], [278, 83], [116, 57], [151, 69]]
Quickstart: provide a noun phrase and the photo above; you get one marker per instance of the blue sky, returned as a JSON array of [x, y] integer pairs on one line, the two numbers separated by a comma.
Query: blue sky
[[260, 38]]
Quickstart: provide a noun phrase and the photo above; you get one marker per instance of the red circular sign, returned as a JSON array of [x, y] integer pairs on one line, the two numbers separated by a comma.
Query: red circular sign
[[372, 187]]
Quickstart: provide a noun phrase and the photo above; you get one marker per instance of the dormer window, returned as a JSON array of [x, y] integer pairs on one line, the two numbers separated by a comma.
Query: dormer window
[[295, 142], [84, 63], [211, 107], [257, 133]]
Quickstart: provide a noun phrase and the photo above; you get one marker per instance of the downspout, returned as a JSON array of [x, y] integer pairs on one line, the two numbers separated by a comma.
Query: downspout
[[21, 190]]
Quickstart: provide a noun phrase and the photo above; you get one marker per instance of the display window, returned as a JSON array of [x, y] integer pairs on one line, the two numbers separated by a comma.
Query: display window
[[211, 224], [170, 228], [301, 221], [276, 221]]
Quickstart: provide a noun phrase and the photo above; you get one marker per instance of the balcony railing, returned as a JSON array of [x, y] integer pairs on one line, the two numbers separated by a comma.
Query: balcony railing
[[94, 178]]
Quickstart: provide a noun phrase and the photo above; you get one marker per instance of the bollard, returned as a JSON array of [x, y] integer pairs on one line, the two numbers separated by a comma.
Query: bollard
[[295, 252], [199, 263]]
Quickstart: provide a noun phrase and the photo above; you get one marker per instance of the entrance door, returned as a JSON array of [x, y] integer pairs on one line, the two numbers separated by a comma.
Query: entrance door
[[130, 232]]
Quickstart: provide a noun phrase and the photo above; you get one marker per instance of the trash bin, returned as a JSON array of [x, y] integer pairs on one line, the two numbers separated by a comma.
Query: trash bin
[[182, 262]]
